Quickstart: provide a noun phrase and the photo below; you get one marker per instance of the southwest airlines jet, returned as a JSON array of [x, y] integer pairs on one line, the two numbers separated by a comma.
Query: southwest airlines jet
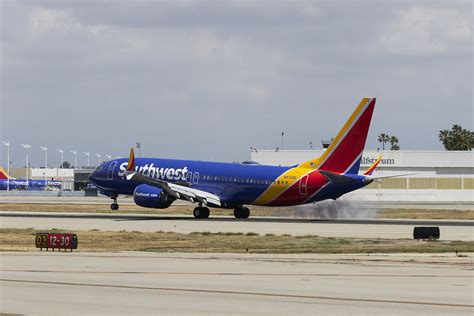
[[156, 183], [9, 183]]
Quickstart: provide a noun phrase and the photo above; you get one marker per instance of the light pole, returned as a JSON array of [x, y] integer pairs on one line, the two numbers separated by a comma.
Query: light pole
[[26, 147], [61, 151], [8, 162], [282, 134], [88, 155], [45, 156], [98, 156], [74, 152]]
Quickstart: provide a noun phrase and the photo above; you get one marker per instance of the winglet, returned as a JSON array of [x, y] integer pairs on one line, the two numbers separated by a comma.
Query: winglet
[[374, 165], [131, 161]]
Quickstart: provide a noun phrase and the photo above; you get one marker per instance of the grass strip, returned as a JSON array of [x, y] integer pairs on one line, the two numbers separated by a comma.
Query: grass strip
[[206, 242]]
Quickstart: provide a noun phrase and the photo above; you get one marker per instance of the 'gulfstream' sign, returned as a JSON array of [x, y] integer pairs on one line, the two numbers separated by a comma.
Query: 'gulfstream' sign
[[369, 161]]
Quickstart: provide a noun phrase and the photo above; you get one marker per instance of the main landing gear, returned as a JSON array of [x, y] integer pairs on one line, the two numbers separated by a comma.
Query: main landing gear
[[242, 212], [201, 212], [114, 206]]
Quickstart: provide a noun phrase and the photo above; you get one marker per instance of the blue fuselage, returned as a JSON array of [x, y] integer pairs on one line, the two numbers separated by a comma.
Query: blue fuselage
[[234, 183]]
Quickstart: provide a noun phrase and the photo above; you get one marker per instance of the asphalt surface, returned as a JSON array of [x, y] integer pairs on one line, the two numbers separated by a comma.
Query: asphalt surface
[[125, 200], [216, 284], [362, 228]]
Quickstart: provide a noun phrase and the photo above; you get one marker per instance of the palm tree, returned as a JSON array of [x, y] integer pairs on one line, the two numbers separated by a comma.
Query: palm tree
[[383, 138], [443, 137], [457, 138], [394, 143]]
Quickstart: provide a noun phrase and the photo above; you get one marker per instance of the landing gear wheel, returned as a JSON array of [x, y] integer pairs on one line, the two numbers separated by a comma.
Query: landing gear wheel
[[114, 206], [201, 212], [242, 212], [245, 212]]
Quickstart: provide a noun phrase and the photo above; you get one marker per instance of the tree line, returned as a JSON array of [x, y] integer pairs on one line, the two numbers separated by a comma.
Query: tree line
[[457, 138]]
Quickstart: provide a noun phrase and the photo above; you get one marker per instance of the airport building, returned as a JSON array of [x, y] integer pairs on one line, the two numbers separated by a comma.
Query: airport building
[[436, 176]]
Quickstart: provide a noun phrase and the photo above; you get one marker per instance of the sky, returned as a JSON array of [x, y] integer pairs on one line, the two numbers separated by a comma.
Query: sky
[[206, 80]]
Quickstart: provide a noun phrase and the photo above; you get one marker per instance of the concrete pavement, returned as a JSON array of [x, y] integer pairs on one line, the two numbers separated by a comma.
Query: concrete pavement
[[216, 284]]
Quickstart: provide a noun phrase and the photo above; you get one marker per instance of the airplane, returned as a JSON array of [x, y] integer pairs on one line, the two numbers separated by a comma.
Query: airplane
[[157, 183], [7, 182]]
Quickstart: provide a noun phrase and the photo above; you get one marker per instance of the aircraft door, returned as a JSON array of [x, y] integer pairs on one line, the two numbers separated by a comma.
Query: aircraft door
[[304, 185], [110, 172], [196, 177], [189, 177]]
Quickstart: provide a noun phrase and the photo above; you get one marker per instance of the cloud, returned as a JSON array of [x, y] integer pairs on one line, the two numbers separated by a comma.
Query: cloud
[[424, 30], [208, 79]]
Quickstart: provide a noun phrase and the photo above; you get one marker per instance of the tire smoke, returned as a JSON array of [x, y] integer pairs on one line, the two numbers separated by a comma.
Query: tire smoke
[[331, 210]]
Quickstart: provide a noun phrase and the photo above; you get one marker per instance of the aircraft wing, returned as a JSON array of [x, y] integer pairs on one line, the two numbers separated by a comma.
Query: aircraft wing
[[173, 189]]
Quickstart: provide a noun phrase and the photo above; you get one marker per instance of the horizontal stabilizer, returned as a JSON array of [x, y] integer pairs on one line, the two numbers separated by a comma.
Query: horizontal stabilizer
[[392, 176], [374, 165]]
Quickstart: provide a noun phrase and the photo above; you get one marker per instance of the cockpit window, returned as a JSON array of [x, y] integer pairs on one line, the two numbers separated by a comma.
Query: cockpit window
[[100, 168]]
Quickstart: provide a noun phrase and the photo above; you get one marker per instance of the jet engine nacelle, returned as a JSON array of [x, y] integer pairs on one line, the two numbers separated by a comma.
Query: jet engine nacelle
[[149, 196]]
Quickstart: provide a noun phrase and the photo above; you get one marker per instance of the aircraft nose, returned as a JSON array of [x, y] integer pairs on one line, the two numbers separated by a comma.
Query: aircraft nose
[[93, 176]]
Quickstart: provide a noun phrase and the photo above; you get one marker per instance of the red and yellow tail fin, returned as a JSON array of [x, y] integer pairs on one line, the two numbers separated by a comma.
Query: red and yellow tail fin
[[374, 165], [131, 161], [345, 151], [4, 175]]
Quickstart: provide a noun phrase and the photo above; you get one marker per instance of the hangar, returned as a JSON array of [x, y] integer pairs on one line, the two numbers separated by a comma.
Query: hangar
[[439, 176]]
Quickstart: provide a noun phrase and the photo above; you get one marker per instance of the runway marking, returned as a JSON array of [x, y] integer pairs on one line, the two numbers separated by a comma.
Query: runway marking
[[226, 292], [240, 273]]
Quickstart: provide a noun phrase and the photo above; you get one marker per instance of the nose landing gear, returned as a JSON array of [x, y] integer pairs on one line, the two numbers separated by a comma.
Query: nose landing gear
[[114, 206]]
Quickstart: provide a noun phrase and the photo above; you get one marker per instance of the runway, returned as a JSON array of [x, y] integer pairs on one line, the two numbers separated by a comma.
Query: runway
[[360, 228], [11, 198], [215, 284]]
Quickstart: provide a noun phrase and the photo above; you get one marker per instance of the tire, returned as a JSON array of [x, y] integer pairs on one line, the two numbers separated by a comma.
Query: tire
[[197, 212], [245, 212], [238, 212], [205, 212], [114, 207]]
